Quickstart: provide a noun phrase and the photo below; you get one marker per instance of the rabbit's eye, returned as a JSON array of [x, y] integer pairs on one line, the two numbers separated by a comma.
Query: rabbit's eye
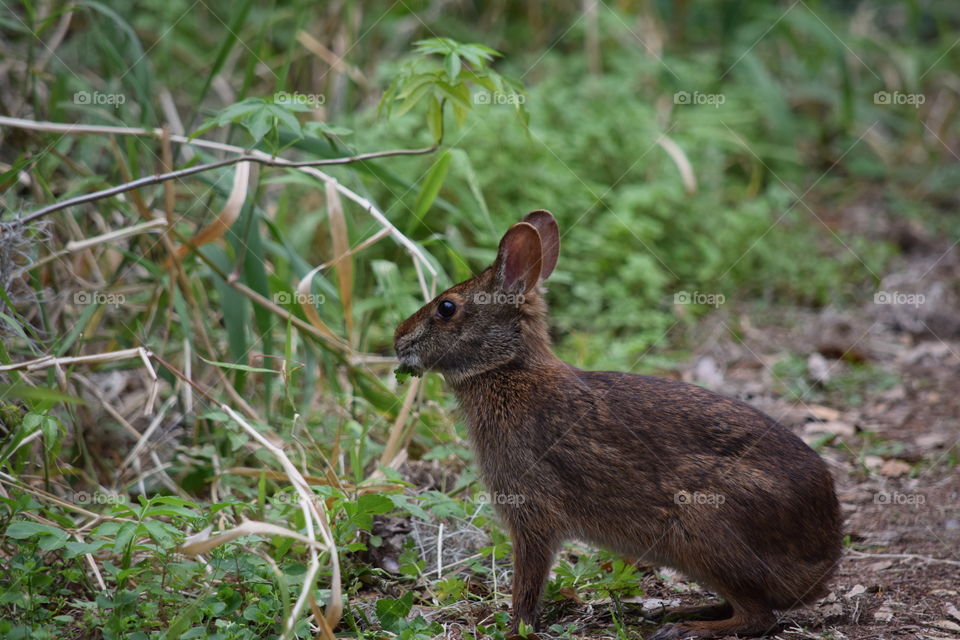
[[446, 309]]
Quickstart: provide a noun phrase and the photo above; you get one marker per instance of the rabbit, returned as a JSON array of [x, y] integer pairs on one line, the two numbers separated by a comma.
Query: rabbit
[[655, 469]]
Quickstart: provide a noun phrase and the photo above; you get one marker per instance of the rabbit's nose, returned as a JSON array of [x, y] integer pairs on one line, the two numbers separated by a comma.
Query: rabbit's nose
[[402, 340], [407, 331]]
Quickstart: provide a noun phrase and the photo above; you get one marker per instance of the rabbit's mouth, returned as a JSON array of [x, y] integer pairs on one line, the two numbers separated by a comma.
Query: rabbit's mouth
[[407, 369], [409, 363]]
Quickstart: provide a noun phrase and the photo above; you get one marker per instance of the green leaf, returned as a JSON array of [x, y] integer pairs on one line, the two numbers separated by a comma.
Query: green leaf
[[435, 119], [375, 504], [235, 307], [126, 533], [451, 64], [392, 611], [286, 118], [318, 129], [431, 185], [259, 123], [238, 367], [408, 504], [78, 325], [462, 159], [160, 531], [412, 99], [75, 549], [44, 394], [458, 94], [50, 537]]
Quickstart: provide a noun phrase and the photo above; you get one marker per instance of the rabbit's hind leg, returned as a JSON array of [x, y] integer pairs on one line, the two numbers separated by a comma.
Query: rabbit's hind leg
[[749, 618], [717, 611]]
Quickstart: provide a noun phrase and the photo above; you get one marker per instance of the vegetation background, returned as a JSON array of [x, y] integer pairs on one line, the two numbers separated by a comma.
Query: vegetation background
[[200, 430]]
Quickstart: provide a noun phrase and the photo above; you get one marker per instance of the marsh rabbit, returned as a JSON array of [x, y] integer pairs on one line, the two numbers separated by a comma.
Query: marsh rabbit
[[651, 468]]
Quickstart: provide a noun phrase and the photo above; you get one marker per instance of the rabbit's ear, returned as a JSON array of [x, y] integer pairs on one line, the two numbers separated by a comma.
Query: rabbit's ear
[[546, 225], [519, 259]]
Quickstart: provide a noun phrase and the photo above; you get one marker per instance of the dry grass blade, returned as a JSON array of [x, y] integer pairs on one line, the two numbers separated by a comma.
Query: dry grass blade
[[336, 62], [203, 542], [303, 295], [681, 160], [310, 311], [227, 216], [151, 226], [400, 433], [342, 261]]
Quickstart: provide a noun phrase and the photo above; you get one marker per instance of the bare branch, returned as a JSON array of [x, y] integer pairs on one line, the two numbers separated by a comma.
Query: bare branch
[[270, 161]]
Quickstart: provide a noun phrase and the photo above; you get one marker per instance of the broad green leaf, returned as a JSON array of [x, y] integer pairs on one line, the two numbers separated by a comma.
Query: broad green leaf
[[432, 184], [435, 119], [451, 64], [49, 537], [391, 611]]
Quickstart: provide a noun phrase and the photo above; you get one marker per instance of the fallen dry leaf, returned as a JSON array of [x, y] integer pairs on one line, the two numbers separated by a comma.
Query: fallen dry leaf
[[894, 468], [823, 413], [834, 427]]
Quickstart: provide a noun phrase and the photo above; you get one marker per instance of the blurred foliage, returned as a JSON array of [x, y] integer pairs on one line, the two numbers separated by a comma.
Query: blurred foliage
[[710, 149]]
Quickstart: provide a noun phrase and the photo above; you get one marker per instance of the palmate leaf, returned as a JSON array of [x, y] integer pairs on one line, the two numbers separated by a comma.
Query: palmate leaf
[[260, 117], [447, 81]]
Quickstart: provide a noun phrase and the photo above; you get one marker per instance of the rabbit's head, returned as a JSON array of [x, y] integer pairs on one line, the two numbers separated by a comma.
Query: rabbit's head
[[493, 319]]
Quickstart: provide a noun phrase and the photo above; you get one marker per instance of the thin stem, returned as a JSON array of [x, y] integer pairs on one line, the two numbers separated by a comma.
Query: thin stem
[[183, 173]]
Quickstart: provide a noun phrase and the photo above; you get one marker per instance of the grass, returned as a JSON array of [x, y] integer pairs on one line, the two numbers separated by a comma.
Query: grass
[[745, 198]]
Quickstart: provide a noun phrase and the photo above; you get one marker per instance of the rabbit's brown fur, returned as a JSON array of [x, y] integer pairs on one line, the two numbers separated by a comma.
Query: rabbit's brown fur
[[651, 468]]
